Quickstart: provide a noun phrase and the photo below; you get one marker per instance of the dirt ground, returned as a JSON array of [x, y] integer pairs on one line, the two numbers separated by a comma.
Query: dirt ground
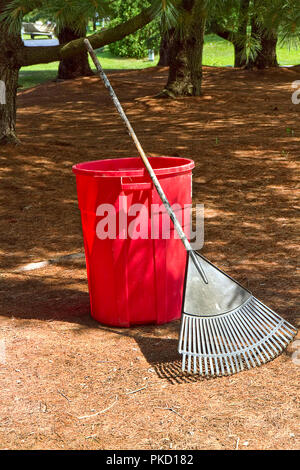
[[67, 382]]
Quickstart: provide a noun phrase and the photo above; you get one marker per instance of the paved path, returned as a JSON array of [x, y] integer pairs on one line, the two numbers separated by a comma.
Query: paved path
[[41, 42]]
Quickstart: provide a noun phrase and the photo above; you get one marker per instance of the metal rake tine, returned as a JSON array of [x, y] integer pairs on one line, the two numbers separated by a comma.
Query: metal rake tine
[[229, 343], [272, 337], [260, 333], [190, 345], [250, 334], [212, 336], [203, 348], [218, 345], [265, 311], [235, 341], [182, 329], [208, 347], [249, 348], [184, 343], [269, 312], [221, 339], [199, 347], [269, 319], [259, 320], [249, 342], [194, 345], [263, 331], [275, 315]]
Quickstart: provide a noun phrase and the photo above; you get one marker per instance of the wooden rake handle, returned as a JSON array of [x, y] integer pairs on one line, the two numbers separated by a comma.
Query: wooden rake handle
[[145, 160]]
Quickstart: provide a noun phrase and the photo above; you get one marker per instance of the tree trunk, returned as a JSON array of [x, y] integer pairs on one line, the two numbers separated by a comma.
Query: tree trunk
[[9, 76], [9, 73], [266, 56], [240, 59], [76, 66], [94, 24], [185, 54], [164, 49], [235, 39]]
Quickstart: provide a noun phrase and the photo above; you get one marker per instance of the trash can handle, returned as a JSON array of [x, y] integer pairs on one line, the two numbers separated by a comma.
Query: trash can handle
[[136, 186]]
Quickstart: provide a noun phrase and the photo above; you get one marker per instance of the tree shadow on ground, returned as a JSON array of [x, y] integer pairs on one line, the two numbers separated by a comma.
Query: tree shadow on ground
[[243, 134], [48, 297]]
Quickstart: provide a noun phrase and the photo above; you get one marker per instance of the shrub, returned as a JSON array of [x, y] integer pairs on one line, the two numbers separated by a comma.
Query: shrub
[[137, 44]]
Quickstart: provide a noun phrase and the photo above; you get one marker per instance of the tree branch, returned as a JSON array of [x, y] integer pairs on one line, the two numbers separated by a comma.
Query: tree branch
[[42, 55], [220, 31]]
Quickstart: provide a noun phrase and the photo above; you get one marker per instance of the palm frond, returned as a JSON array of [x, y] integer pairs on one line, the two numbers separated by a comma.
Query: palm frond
[[13, 13], [169, 12], [251, 48], [71, 13]]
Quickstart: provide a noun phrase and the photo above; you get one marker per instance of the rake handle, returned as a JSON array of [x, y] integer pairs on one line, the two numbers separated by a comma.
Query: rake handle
[[145, 160]]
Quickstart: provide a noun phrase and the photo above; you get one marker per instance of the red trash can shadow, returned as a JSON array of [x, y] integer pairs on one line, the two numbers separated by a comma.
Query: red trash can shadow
[[134, 275]]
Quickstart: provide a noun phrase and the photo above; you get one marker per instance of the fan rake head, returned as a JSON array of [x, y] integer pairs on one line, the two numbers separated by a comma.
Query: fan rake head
[[224, 328], [226, 344]]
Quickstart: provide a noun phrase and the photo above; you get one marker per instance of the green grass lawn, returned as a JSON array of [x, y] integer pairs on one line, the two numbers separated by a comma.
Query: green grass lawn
[[220, 53], [35, 74], [217, 52]]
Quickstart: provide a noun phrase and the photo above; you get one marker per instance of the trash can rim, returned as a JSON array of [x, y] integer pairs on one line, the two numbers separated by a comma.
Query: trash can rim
[[176, 165]]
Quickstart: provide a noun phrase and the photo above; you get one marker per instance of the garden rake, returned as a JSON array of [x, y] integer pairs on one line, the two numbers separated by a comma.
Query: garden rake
[[224, 328]]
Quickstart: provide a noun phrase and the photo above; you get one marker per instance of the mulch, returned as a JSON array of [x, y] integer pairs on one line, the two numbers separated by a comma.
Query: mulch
[[68, 382]]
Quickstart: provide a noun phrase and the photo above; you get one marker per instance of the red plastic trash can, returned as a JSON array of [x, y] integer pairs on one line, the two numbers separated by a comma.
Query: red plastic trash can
[[135, 260]]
